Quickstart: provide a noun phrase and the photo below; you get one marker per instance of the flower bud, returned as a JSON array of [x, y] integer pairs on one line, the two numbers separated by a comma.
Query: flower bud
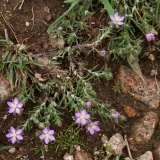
[[37, 133], [41, 125], [122, 118], [36, 121], [59, 123]]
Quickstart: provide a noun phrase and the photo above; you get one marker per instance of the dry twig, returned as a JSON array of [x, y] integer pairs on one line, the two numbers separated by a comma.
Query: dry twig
[[128, 149], [32, 17], [20, 7], [8, 24]]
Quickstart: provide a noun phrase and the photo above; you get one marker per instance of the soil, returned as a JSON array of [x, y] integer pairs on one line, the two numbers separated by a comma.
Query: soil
[[39, 16]]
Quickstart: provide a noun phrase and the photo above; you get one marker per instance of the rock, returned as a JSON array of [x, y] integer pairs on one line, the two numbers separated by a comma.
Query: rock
[[143, 130], [117, 144], [68, 157], [156, 153], [145, 91], [127, 158], [5, 90], [27, 24], [12, 150], [146, 156], [48, 17], [77, 147], [82, 155]]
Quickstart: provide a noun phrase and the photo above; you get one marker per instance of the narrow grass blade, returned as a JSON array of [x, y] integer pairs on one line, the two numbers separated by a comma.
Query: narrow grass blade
[[108, 7], [57, 22], [133, 62]]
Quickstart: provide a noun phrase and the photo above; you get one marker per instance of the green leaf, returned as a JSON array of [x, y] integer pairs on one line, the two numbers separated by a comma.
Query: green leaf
[[133, 62], [108, 7], [3, 42], [157, 8], [59, 20], [6, 148]]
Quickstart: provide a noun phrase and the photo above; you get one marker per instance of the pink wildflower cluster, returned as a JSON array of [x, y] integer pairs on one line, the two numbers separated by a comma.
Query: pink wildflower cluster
[[15, 107], [82, 118], [15, 135], [150, 37], [116, 19]]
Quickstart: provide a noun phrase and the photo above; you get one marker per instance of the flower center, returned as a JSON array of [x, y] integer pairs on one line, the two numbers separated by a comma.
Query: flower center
[[117, 19], [47, 135], [150, 37], [82, 117], [14, 106], [14, 135], [93, 126]]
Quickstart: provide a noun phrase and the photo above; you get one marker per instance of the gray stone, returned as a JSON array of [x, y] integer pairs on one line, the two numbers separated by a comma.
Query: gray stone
[[142, 131], [5, 90], [146, 156], [117, 144], [156, 153], [145, 90]]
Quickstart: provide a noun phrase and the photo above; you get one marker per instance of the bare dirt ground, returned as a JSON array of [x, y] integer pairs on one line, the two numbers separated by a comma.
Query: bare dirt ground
[[28, 26]]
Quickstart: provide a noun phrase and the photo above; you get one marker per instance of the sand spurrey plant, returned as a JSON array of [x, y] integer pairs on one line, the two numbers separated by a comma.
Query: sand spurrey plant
[[14, 135], [15, 106], [93, 127], [88, 103], [150, 36], [116, 19], [47, 135], [71, 90], [82, 117], [116, 115]]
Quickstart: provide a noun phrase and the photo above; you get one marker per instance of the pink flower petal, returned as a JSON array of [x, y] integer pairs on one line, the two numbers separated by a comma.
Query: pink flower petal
[[51, 132], [96, 122], [11, 110], [42, 137], [19, 105], [45, 130], [83, 121], [121, 18], [10, 104], [52, 138], [91, 131], [13, 140], [120, 23], [19, 131], [17, 110], [46, 140], [15, 101], [77, 114], [19, 137], [97, 128], [116, 14], [12, 130], [112, 18], [78, 120], [83, 112], [9, 135], [87, 116]]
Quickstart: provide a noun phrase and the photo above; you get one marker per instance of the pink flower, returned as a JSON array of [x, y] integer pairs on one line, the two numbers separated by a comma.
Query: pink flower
[[93, 127], [150, 36], [14, 135], [102, 53], [47, 135], [88, 103], [116, 115], [15, 106], [116, 19], [82, 117]]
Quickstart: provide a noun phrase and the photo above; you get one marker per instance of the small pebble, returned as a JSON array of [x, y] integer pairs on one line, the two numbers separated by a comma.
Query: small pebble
[[27, 24], [12, 150]]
